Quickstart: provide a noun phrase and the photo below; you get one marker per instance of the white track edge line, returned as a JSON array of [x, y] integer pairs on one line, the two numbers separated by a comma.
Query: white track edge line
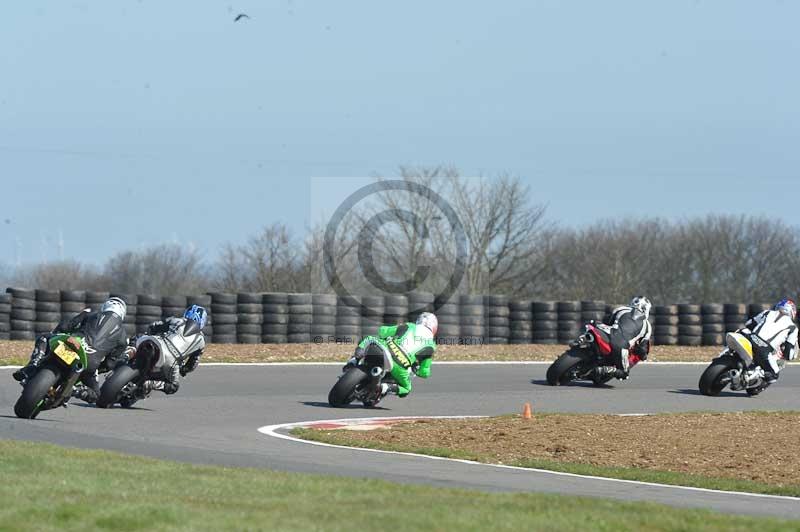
[[271, 430]]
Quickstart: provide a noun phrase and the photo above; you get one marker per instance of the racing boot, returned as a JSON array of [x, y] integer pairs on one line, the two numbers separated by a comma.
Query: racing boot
[[752, 392], [384, 390], [84, 393], [37, 355], [603, 374]]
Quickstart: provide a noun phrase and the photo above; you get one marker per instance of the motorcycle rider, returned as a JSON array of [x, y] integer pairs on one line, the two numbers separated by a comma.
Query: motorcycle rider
[[409, 347], [177, 344], [105, 336], [629, 334], [775, 341]]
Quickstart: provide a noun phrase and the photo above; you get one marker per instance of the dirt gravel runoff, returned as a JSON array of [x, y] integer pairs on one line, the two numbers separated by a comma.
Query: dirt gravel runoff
[[17, 352], [753, 446]]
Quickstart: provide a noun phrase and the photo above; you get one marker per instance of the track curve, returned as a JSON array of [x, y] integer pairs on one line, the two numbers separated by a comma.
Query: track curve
[[215, 417]]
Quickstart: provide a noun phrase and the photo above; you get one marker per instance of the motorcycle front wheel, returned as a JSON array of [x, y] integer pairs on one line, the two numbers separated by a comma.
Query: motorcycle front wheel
[[710, 379], [561, 371]]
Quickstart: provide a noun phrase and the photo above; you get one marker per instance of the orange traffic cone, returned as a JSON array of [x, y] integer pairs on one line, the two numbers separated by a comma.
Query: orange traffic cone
[[526, 411]]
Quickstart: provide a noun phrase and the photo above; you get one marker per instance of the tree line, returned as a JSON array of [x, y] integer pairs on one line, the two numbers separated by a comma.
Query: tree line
[[500, 241]]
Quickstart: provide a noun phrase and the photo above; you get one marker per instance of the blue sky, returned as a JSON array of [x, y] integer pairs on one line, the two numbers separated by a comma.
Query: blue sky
[[166, 121]]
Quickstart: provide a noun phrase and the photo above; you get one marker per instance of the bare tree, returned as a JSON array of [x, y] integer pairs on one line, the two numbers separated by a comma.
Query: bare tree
[[61, 275], [503, 229], [164, 269], [270, 261]]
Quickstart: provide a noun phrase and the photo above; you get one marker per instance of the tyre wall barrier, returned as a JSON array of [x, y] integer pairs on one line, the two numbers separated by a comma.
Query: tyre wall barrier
[[520, 321], [224, 317], [496, 313], [665, 328], [5, 316], [472, 320], [275, 324], [323, 318]]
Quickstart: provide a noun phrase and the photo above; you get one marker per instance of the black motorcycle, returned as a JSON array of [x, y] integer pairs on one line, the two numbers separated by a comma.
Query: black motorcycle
[[361, 381], [124, 383]]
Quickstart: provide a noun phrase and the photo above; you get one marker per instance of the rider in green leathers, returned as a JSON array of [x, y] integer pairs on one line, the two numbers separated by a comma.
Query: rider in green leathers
[[409, 348]]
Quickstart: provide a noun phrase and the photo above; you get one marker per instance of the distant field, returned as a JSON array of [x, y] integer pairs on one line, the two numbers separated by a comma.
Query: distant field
[[17, 352], [50, 488]]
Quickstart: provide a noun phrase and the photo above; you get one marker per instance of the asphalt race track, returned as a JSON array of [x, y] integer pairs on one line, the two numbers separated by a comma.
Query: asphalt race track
[[214, 419]]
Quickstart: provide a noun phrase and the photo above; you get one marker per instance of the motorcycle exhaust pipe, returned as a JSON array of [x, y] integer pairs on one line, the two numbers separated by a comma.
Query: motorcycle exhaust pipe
[[376, 373]]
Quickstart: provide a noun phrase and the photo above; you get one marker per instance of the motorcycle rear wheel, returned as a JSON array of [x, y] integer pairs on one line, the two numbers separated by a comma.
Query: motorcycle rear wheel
[[343, 392], [559, 371], [28, 405], [114, 384], [709, 381]]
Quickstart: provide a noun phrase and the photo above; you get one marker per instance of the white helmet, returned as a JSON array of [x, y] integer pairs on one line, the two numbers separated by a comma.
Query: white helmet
[[642, 304], [116, 306], [429, 320]]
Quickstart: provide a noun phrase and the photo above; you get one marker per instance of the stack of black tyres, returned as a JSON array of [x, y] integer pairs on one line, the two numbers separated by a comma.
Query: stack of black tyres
[[735, 316], [148, 310], [713, 323], [449, 315], [569, 320], [203, 300], [373, 309], [22, 316], [48, 311], [498, 323], [250, 317], [419, 302], [275, 308], [473, 322], [395, 310], [224, 316], [23, 313], [95, 300], [593, 310], [545, 322], [690, 324], [5, 316], [665, 330], [301, 316], [132, 304], [520, 321], [173, 306], [323, 321], [348, 319]]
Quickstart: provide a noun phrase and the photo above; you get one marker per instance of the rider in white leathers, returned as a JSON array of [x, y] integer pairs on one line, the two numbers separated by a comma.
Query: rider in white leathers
[[178, 344], [777, 330]]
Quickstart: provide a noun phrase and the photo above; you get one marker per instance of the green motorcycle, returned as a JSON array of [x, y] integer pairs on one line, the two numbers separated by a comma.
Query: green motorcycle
[[58, 372]]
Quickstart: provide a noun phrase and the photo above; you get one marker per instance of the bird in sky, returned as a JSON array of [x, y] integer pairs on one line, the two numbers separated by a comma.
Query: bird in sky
[[240, 16]]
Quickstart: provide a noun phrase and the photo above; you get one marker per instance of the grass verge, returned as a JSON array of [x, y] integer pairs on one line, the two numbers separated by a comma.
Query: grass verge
[[720, 451], [53, 488]]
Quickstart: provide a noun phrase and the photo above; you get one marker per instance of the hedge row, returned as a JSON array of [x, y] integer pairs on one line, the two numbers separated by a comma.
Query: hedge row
[[321, 318]]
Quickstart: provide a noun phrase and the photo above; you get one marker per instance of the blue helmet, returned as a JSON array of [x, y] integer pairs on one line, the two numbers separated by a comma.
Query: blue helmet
[[197, 314], [786, 306]]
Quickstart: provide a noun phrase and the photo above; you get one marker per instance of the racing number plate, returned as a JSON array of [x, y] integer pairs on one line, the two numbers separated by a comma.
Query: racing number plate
[[398, 355], [67, 355]]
